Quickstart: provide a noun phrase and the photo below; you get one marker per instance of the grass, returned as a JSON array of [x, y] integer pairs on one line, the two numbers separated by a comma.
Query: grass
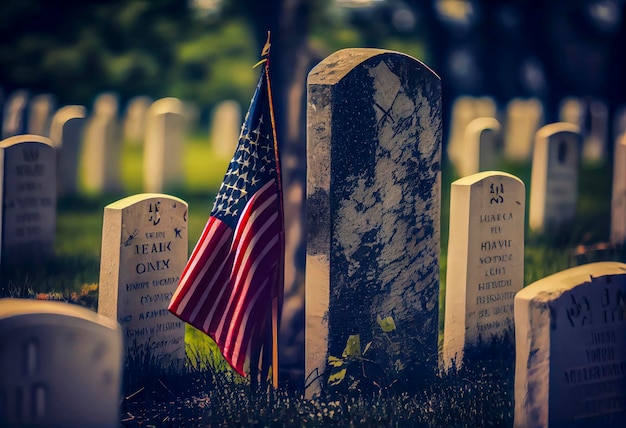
[[207, 393]]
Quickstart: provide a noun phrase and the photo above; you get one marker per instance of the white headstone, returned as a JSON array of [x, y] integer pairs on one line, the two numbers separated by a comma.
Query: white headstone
[[482, 146], [485, 266], [99, 168], [163, 147], [572, 110], [144, 251], [225, 127], [60, 366], [66, 132], [28, 174], [135, 119], [554, 178], [618, 196], [523, 119], [14, 115], [464, 110], [570, 334], [40, 114]]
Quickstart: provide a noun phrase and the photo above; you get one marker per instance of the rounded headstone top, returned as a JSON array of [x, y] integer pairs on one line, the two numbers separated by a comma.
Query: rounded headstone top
[[25, 138], [167, 105], [12, 308], [336, 66], [141, 197], [554, 285], [475, 178], [550, 129]]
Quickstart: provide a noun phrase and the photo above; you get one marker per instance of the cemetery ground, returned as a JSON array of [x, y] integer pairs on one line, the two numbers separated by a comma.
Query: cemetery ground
[[208, 393]]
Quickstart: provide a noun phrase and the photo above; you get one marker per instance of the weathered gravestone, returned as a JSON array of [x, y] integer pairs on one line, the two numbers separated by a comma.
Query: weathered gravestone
[[554, 178], [485, 266], [135, 119], [66, 132], [482, 146], [464, 110], [40, 114], [618, 192], [101, 148], [144, 251], [225, 127], [570, 334], [163, 147], [60, 366], [28, 174], [523, 119], [14, 114], [373, 204]]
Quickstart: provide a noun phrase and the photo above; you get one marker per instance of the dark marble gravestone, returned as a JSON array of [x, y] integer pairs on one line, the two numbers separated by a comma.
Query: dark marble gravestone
[[373, 202]]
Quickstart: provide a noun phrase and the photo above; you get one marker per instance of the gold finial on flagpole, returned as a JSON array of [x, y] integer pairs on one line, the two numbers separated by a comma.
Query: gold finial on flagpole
[[265, 52]]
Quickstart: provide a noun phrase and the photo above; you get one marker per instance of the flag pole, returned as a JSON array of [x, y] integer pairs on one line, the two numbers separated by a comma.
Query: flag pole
[[276, 298]]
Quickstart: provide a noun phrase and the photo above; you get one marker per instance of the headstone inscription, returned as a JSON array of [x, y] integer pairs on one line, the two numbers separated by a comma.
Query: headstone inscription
[[485, 266], [554, 178], [66, 132], [570, 333], [165, 129], [40, 114], [144, 251], [135, 119], [28, 174], [373, 210], [482, 146], [618, 193], [225, 127], [100, 155], [14, 114], [523, 118], [60, 366]]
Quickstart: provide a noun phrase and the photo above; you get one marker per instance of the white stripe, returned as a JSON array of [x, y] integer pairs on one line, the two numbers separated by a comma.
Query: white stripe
[[244, 322], [248, 279], [198, 278], [252, 269]]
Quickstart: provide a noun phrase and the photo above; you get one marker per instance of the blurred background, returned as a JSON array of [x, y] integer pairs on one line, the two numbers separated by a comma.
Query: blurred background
[[202, 50]]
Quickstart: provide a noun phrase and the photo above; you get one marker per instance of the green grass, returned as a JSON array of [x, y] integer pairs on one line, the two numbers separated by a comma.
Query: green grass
[[207, 393]]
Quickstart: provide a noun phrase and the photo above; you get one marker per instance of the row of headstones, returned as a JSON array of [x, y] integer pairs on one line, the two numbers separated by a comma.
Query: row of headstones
[[475, 124], [90, 147], [57, 354], [373, 247], [557, 150]]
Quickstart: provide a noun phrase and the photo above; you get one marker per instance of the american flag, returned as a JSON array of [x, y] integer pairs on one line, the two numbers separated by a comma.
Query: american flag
[[235, 271]]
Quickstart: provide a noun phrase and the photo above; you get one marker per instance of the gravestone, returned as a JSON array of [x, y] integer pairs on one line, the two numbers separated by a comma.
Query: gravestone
[[66, 132], [570, 334], [144, 251], [482, 146], [618, 193], [40, 114], [619, 122], [28, 174], [523, 118], [14, 115], [373, 205], [225, 128], [135, 119], [162, 157], [554, 178], [596, 135], [572, 110], [485, 266], [99, 159], [464, 110], [60, 366]]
